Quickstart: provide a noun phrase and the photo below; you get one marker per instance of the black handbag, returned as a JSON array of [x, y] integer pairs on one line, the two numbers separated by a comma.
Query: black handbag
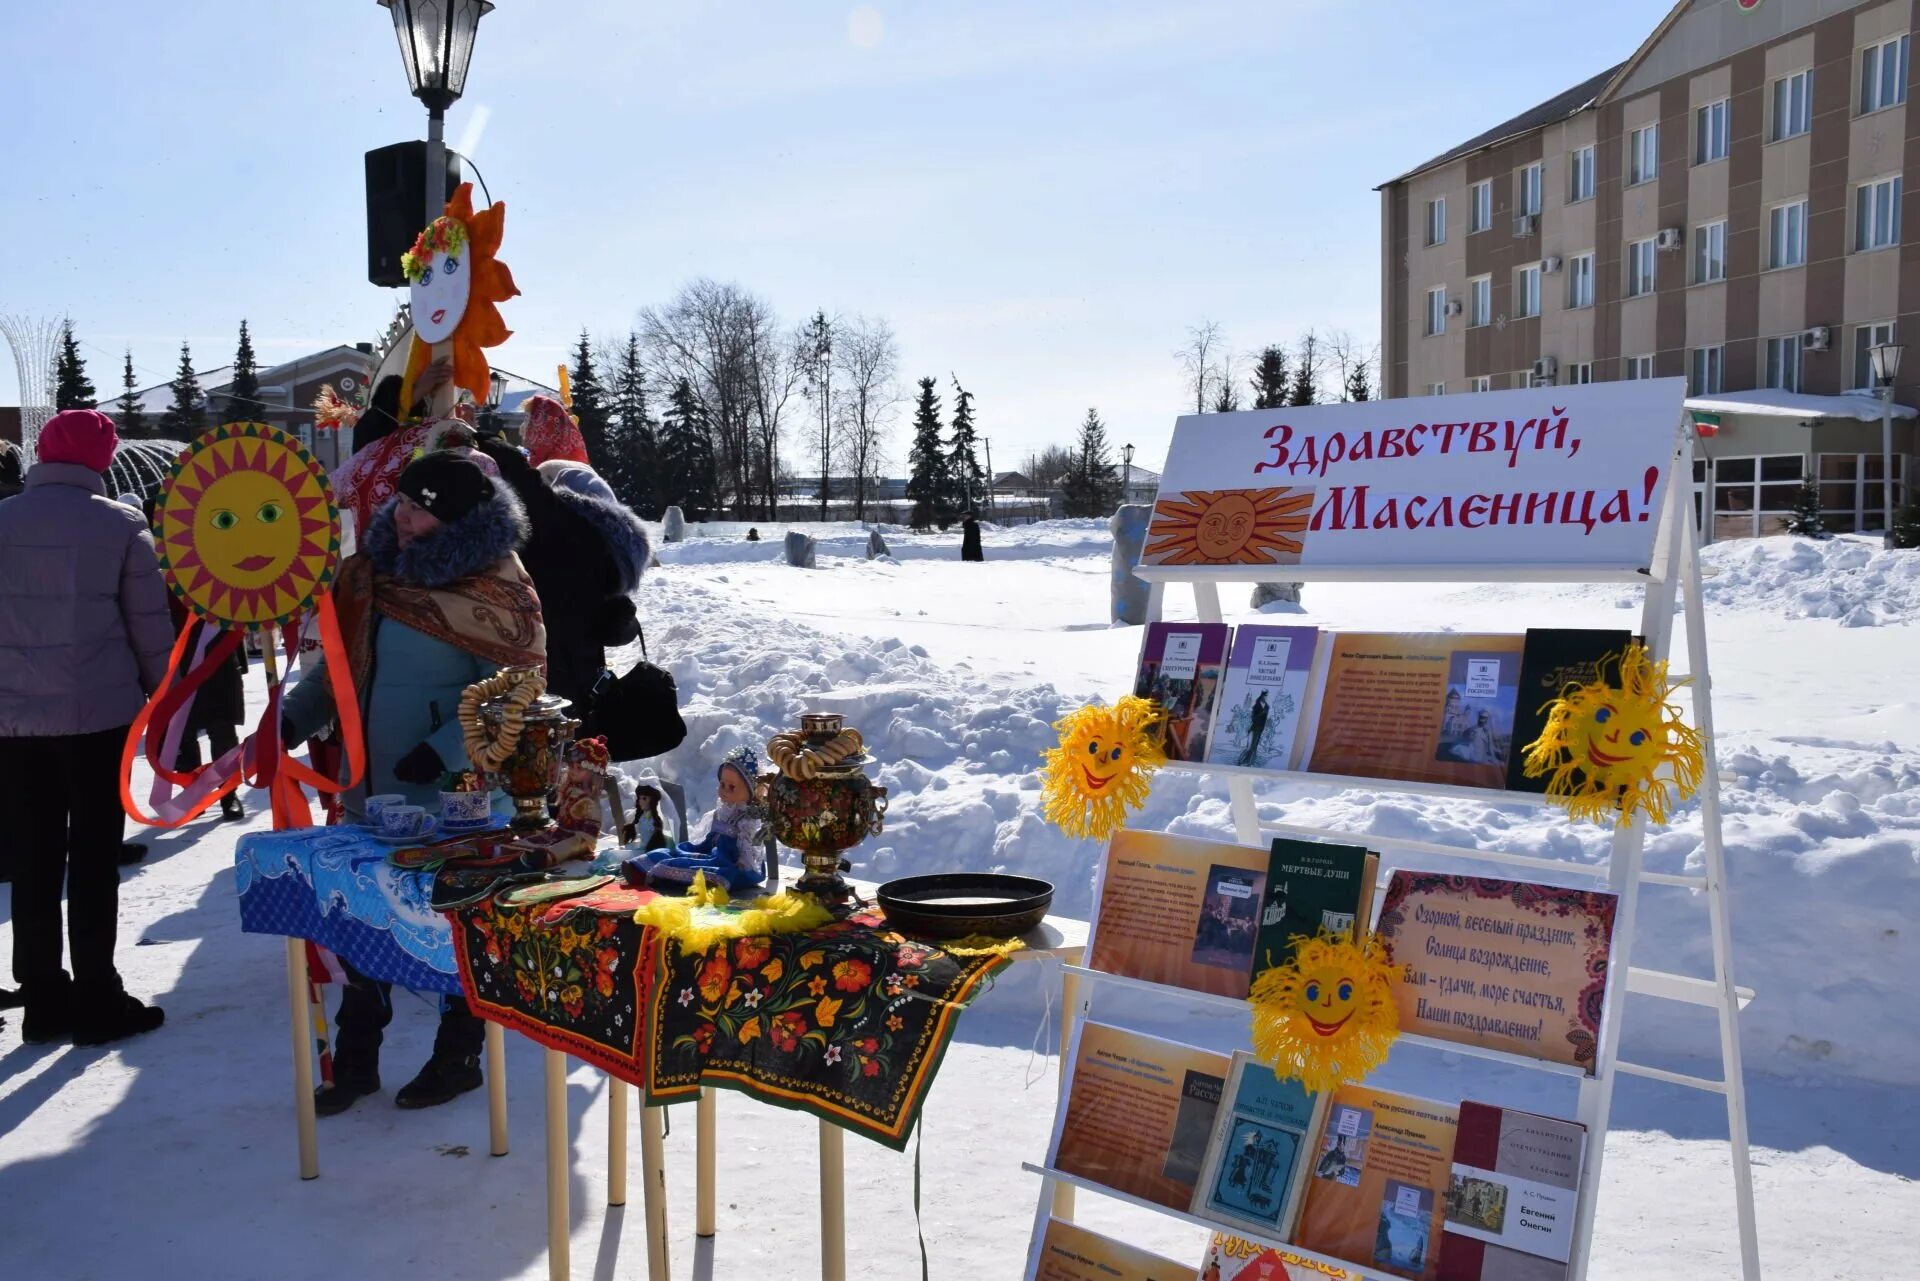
[[638, 713]]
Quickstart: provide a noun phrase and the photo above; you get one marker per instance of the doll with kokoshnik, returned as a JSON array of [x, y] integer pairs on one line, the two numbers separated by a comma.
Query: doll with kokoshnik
[[730, 853]]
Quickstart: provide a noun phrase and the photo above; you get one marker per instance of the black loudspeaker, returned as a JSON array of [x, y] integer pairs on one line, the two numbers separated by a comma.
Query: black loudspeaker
[[397, 206]]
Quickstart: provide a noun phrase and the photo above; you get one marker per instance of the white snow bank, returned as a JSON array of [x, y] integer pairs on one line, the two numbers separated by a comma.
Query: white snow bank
[[721, 542], [1851, 578]]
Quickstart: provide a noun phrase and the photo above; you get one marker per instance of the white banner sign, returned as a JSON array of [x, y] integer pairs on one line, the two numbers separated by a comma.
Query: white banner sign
[[1549, 476]]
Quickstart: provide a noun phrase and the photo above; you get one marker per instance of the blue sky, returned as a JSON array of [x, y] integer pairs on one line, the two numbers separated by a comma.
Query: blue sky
[[1041, 197]]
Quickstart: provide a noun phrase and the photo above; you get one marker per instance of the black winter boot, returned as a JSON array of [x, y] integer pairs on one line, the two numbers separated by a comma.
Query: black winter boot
[[366, 1007], [114, 1018], [49, 1011], [454, 1068]]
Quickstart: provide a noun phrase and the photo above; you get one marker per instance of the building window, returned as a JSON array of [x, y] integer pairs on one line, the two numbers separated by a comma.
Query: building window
[[1579, 375], [1752, 496], [1787, 235], [1883, 75], [1480, 382], [1580, 176], [1526, 291], [1703, 377], [1436, 389], [1580, 280], [1639, 367], [1480, 206], [1865, 339], [1639, 268], [1480, 300], [1710, 133], [1436, 311], [1852, 499], [1783, 363], [1793, 105], [1876, 214], [1643, 155], [1526, 189], [1709, 252], [1437, 221]]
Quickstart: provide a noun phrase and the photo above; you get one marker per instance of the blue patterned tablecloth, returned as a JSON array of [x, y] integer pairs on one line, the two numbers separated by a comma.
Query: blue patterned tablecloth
[[333, 885]]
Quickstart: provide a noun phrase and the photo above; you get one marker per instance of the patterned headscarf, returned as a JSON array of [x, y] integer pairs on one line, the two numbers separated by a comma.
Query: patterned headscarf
[[551, 432]]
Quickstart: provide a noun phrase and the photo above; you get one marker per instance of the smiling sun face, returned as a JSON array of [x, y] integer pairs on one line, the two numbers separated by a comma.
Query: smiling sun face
[[1229, 527], [1100, 770], [1327, 999], [246, 527], [1328, 1015]]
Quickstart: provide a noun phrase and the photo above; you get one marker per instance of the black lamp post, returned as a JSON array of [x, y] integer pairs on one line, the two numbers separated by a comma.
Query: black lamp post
[[436, 46], [1885, 359]]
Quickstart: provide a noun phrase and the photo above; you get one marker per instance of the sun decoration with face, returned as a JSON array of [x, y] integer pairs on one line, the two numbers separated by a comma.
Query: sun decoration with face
[[1101, 768], [1229, 527], [456, 286], [246, 528], [1328, 1015], [1611, 749]]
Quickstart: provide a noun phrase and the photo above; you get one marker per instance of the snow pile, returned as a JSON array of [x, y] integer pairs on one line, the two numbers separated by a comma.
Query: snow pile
[[715, 543], [1851, 579]]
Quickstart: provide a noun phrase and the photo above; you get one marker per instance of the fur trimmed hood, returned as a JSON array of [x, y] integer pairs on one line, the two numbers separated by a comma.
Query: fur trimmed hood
[[458, 549], [625, 536]]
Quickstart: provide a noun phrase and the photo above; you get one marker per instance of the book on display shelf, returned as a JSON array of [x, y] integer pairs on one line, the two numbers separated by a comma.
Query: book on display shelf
[[1512, 1196], [1310, 886], [1180, 669], [1252, 1175], [1263, 697], [1554, 658], [1377, 1181]]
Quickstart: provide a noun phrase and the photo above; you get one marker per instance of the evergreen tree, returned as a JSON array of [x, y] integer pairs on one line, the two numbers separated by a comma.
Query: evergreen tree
[[927, 462], [1803, 518], [965, 480], [186, 416], [816, 359], [1090, 487], [1228, 399], [635, 446], [686, 474], [243, 393], [1269, 382], [1305, 390], [590, 408], [130, 420], [71, 387], [1358, 385], [1905, 533]]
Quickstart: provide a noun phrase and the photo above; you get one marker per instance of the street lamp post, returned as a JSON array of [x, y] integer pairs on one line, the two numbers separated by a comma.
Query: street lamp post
[[1126, 472], [1886, 368], [436, 46]]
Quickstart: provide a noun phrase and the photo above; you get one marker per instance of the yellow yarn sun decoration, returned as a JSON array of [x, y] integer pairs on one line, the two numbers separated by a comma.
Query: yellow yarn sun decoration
[[1103, 766], [1328, 1015], [706, 915]]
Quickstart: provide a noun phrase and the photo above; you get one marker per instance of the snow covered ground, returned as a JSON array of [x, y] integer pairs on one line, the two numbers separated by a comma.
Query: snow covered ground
[[172, 1155]]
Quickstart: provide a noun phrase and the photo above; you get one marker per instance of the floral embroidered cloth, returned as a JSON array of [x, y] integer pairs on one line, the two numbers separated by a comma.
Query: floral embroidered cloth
[[848, 1022]]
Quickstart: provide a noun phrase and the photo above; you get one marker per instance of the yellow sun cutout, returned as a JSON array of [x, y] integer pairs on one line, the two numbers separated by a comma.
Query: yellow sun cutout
[[1101, 768], [1328, 1015], [246, 528], [1614, 749], [1230, 527]]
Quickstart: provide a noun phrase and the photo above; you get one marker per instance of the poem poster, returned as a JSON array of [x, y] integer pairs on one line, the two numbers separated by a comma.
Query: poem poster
[[1139, 1113], [1424, 707], [1504, 964], [1179, 911], [1068, 1252]]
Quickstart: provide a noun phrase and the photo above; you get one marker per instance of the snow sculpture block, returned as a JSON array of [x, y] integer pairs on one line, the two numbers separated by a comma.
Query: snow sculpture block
[[1128, 594]]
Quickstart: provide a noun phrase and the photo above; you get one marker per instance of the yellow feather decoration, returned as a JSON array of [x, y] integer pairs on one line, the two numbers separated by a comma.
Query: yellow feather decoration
[[1328, 1015], [705, 916], [1103, 767], [1612, 749]]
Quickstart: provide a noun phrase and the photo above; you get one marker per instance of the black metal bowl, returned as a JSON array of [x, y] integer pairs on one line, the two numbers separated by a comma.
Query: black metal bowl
[[952, 905]]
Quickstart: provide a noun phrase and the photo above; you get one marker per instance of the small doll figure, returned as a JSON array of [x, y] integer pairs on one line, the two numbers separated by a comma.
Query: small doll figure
[[645, 828], [581, 785], [730, 853]]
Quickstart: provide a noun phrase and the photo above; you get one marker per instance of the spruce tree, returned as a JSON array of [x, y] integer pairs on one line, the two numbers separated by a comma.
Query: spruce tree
[[71, 387], [1305, 390], [1359, 387], [1905, 534], [927, 462], [1091, 488], [243, 393], [634, 447], [130, 420], [965, 480], [590, 407], [1269, 382], [1228, 398], [686, 475], [1803, 518], [186, 416]]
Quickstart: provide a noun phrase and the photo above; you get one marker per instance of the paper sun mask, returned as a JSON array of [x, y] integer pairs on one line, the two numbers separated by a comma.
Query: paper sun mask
[[1328, 1015], [1614, 749], [456, 285], [1101, 768], [438, 283]]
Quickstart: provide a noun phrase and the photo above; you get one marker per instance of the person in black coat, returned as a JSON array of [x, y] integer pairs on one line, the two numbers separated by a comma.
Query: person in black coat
[[12, 474], [219, 707], [970, 539]]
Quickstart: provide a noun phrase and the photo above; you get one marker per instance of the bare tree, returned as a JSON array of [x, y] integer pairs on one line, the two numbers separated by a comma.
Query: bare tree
[[1045, 468], [868, 360], [706, 335], [1198, 358], [1226, 389], [775, 366], [1309, 356]]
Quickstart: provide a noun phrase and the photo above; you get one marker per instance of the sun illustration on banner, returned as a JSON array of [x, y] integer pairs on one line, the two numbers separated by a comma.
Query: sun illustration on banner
[[1229, 527], [1328, 1015], [246, 527]]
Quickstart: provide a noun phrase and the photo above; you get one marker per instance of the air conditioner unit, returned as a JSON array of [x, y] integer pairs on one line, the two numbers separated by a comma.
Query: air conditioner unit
[[1525, 225], [1670, 238], [1546, 367], [1550, 264], [1454, 307], [1816, 339]]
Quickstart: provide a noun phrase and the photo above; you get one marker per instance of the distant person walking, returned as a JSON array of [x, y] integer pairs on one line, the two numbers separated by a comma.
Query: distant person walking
[[970, 539], [84, 638]]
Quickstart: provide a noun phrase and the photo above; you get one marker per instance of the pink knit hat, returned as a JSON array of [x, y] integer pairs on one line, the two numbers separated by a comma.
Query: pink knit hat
[[82, 436]]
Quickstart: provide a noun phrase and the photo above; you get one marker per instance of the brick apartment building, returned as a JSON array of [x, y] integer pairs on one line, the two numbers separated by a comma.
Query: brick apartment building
[[1727, 205]]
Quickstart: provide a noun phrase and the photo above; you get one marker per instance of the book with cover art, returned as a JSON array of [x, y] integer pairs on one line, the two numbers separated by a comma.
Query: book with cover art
[[1180, 668], [1263, 696], [1506, 964], [1311, 885], [1068, 1252], [1554, 658], [1178, 910], [1511, 1197], [1427, 708], [1234, 1258], [1379, 1175], [1138, 1114], [1251, 1176]]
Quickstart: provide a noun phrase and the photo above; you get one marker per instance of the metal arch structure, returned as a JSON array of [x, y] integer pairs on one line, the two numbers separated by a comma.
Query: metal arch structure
[[140, 467], [35, 342]]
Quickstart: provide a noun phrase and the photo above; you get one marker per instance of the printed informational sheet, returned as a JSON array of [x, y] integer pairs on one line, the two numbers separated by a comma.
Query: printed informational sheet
[[1180, 911], [1068, 1252], [1378, 1174], [1233, 1258]]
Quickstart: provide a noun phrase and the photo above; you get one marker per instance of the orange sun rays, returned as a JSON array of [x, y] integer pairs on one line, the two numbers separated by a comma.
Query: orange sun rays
[[1229, 527]]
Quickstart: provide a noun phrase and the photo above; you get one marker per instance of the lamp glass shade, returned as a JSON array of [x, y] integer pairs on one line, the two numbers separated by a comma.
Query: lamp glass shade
[[436, 45], [1886, 361]]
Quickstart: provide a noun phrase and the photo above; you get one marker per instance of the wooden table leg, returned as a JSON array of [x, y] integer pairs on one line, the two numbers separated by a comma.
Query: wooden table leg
[[653, 1180], [706, 1119], [559, 1229], [616, 1141], [833, 1202], [1069, 1013], [496, 1089], [297, 998]]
